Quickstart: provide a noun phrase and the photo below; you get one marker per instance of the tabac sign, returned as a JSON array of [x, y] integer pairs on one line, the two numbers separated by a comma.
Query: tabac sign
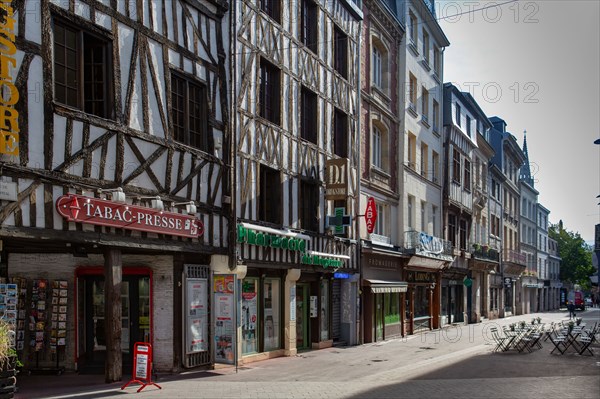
[[9, 95], [336, 178], [77, 208]]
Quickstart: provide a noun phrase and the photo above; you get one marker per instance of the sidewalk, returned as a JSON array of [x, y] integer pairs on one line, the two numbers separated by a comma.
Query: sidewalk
[[458, 356]]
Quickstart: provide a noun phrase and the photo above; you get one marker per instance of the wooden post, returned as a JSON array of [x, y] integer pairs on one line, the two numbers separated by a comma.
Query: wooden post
[[113, 368]]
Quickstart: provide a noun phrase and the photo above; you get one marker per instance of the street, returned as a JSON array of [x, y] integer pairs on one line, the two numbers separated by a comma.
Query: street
[[454, 362]]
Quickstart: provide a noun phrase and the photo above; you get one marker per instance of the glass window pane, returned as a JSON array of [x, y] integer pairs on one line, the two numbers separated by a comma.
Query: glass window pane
[[324, 310], [272, 319], [249, 315]]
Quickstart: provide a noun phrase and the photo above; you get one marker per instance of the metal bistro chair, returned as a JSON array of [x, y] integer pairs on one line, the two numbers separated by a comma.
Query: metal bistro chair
[[500, 341], [558, 341], [585, 339]]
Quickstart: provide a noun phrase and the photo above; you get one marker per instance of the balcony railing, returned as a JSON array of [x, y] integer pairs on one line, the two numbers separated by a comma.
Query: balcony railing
[[514, 257], [420, 242], [484, 251]]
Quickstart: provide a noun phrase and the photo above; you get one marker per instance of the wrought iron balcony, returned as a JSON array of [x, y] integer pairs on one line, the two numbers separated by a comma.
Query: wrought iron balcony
[[484, 252], [514, 257], [420, 242]]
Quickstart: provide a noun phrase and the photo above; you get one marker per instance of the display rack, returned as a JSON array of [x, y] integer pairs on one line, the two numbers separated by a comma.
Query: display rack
[[38, 325]]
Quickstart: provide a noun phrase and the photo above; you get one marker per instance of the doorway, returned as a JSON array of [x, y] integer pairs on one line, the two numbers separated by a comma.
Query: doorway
[[135, 319], [302, 316]]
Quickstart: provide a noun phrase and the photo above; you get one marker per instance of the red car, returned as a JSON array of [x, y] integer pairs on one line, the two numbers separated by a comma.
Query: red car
[[579, 301]]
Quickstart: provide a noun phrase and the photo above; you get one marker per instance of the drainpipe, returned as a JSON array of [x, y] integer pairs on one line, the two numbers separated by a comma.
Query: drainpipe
[[358, 186]]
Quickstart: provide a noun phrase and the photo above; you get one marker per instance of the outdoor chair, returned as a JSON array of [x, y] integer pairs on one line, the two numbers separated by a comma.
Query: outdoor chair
[[500, 341], [559, 342], [584, 341]]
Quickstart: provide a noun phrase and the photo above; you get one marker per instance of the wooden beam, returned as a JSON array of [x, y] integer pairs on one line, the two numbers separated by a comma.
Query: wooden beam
[[113, 280]]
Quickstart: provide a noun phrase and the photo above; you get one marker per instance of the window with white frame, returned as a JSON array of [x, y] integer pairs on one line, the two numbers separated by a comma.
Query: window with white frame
[[436, 115], [377, 142], [413, 27], [412, 151], [434, 216], [380, 227], [425, 104], [412, 94], [426, 46], [435, 165], [423, 216], [424, 160], [377, 66], [410, 212]]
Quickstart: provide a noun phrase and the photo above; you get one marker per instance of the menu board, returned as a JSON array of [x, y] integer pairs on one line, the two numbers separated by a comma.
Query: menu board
[[196, 315], [224, 318]]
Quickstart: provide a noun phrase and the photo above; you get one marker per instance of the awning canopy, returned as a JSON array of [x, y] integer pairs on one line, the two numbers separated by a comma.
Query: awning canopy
[[385, 287]]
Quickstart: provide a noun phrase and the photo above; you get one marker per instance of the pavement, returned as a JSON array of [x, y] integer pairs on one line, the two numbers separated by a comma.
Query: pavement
[[457, 361]]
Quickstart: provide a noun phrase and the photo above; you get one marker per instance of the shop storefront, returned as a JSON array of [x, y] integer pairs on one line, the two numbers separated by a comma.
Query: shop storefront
[[383, 293], [422, 300], [495, 296], [111, 272], [287, 294], [452, 301]]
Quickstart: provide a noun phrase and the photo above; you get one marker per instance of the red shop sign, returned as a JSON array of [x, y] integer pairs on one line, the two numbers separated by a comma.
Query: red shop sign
[[77, 208], [142, 366]]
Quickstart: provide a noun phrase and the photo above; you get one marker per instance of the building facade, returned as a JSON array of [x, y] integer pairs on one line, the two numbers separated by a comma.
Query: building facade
[[484, 265], [295, 107], [383, 287], [421, 159], [554, 301], [543, 260], [529, 236], [121, 169], [508, 159]]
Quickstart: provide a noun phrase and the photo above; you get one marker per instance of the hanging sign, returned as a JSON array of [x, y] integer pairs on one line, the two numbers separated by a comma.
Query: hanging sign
[[78, 208], [371, 215], [336, 180], [142, 366]]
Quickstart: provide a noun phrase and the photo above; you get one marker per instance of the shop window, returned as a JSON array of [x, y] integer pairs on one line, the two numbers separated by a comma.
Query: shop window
[[421, 301], [391, 308], [249, 315], [81, 70], [324, 310], [272, 314]]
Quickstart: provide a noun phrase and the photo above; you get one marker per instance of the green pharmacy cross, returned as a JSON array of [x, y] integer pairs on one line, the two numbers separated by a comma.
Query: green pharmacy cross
[[339, 221]]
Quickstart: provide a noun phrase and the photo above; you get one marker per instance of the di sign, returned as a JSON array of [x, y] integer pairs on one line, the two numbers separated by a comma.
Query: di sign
[[371, 215], [336, 187]]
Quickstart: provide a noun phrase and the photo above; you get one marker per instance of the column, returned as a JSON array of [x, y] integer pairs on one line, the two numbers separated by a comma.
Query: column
[[113, 279], [289, 311]]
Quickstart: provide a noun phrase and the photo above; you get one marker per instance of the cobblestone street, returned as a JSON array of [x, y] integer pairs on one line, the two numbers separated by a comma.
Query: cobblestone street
[[454, 362]]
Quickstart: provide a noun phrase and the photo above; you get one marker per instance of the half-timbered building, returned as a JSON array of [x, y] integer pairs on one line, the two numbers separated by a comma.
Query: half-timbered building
[[295, 80], [115, 175]]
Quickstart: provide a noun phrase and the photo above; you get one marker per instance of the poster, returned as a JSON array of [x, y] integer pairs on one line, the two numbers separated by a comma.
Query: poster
[[196, 315], [293, 303], [249, 315], [224, 319]]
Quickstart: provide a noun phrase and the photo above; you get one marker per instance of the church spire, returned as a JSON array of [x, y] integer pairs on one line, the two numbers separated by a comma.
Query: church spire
[[525, 169]]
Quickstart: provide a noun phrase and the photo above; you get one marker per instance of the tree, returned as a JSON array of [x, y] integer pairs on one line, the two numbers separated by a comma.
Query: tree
[[576, 265]]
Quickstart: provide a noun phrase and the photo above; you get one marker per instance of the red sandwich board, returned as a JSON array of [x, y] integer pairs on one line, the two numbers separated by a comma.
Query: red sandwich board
[[142, 366], [371, 215]]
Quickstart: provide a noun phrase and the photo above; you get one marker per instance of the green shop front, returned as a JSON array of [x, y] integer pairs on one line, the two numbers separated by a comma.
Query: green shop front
[[290, 298]]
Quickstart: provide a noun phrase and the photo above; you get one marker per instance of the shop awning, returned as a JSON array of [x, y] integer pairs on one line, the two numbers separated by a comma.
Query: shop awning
[[385, 287]]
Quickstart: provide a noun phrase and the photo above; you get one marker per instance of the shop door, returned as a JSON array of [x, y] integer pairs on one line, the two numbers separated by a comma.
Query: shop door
[[378, 317], [135, 319], [302, 316]]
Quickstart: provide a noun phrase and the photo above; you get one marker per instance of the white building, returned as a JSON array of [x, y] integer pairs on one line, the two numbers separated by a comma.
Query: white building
[[543, 259]]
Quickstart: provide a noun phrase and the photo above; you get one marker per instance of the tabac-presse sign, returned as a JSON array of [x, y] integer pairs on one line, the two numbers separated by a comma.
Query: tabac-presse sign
[[336, 179], [78, 208], [371, 215]]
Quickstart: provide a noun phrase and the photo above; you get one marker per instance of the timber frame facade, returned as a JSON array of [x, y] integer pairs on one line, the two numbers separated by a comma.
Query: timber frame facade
[[293, 85], [129, 139]]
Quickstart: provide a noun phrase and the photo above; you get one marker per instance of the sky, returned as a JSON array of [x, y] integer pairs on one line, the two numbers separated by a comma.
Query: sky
[[536, 64]]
